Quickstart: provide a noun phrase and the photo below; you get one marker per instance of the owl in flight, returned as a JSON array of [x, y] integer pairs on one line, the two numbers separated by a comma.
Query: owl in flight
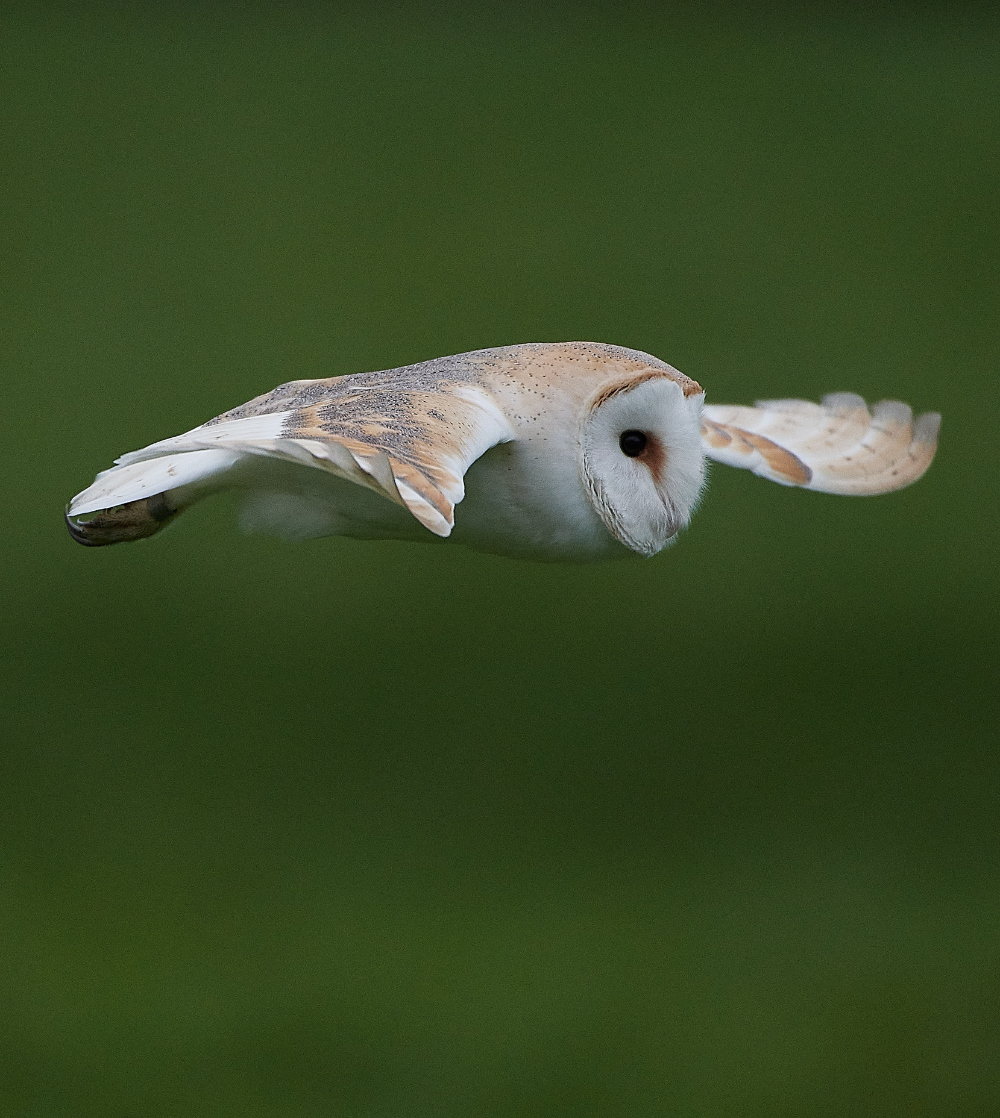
[[571, 451]]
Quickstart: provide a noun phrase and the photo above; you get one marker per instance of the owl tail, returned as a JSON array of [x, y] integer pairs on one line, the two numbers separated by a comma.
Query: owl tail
[[136, 499]]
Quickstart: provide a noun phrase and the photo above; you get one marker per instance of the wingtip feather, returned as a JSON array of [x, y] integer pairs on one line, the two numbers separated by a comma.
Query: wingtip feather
[[840, 402], [927, 428], [842, 447]]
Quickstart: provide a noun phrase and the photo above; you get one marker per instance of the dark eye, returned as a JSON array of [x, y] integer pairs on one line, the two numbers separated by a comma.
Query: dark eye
[[633, 443]]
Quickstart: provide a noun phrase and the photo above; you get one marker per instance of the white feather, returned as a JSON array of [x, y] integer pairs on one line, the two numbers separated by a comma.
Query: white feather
[[141, 479], [243, 433]]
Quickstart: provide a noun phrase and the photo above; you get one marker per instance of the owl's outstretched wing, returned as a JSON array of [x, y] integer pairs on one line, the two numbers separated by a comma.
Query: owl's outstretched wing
[[409, 444], [838, 446]]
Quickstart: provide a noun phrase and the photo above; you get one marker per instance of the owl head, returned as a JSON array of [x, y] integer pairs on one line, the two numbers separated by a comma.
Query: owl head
[[641, 460]]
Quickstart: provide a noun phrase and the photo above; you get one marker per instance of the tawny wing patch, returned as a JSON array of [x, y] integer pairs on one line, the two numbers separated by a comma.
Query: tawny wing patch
[[414, 444], [838, 446], [411, 443]]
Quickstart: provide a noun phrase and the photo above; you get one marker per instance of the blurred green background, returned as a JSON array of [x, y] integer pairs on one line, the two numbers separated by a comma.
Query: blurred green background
[[381, 831]]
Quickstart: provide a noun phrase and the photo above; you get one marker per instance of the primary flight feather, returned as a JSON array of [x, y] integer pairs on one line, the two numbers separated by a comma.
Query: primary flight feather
[[574, 451]]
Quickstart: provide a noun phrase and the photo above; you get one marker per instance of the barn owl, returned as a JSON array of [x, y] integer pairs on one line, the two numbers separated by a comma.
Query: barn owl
[[573, 451]]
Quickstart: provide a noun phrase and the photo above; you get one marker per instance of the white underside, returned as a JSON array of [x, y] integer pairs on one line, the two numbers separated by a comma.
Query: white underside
[[505, 511]]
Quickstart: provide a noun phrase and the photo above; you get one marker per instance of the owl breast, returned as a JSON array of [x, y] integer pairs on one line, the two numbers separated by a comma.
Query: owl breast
[[524, 501]]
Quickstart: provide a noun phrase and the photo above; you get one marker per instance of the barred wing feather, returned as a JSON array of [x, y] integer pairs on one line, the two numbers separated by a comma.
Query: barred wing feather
[[837, 446], [411, 447]]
